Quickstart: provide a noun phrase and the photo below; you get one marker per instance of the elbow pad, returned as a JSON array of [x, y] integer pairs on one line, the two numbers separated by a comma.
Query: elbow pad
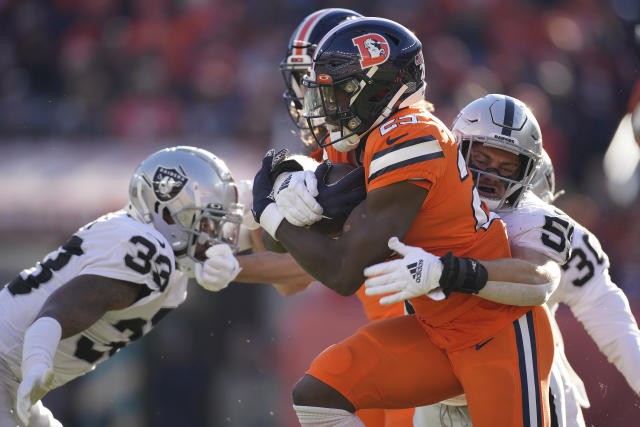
[[465, 275]]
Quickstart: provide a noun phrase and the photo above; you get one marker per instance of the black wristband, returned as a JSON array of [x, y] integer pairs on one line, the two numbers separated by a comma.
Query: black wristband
[[464, 275], [288, 165]]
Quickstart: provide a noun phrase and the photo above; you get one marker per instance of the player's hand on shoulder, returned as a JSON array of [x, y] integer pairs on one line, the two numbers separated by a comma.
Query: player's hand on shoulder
[[416, 273], [35, 384], [220, 268], [295, 194]]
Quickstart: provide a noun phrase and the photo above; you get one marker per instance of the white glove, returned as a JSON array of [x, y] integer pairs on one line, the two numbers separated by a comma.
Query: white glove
[[245, 197], [220, 268], [35, 384], [417, 273], [295, 194]]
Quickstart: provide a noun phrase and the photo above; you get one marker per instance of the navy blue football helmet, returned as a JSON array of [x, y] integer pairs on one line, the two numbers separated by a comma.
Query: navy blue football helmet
[[302, 44], [363, 71]]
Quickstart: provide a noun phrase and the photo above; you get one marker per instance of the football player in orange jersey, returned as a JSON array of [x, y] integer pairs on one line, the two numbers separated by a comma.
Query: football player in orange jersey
[[366, 77], [294, 65]]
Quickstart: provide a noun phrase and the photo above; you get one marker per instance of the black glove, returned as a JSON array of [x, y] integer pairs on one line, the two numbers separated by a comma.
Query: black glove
[[465, 275], [340, 198]]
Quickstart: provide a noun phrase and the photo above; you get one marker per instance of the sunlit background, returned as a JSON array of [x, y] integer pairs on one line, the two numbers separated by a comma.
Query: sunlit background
[[88, 88]]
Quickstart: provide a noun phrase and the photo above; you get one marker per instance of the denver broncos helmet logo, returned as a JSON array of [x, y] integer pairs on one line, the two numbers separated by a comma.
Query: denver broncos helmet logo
[[373, 48]]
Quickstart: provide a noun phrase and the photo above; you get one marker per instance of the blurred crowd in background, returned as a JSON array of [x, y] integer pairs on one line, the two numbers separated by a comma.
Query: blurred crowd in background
[[88, 88]]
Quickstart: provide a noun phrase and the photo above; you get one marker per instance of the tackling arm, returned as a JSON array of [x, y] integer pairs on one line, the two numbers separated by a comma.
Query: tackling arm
[[529, 278], [280, 270], [507, 280], [83, 300]]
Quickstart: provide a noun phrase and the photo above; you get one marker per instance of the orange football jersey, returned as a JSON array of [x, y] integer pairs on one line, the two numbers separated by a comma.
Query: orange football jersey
[[413, 145]]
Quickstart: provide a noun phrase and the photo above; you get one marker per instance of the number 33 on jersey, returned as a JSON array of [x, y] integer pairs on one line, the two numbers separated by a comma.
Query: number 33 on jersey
[[114, 246]]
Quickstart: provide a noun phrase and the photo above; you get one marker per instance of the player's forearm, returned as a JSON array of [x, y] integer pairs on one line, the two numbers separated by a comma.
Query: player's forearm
[[84, 299], [339, 263], [517, 271], [322, 257], [280, 270], [519, 282]]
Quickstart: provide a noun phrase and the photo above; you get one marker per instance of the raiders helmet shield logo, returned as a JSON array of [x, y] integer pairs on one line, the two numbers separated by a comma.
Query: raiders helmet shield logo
[[167, 183], [374, 49]]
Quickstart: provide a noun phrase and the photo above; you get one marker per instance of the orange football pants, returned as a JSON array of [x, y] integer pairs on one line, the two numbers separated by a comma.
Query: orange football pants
[[392, 364]]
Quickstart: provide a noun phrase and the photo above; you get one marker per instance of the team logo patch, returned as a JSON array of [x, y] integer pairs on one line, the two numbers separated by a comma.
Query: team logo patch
[[167, 183], [374, 49]]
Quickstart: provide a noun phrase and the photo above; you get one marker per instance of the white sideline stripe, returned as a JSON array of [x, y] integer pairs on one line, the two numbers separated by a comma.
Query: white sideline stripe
[[403, 154], [531, 386]]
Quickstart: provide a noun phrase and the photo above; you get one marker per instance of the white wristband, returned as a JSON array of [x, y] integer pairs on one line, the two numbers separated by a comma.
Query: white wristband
[[270, 219], [40, 343]]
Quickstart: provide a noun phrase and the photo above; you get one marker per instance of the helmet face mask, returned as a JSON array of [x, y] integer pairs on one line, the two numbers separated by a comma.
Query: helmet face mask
[[298, 58], [363, 71], [499, 127], [329, 105], [189, 196], [501, 185]]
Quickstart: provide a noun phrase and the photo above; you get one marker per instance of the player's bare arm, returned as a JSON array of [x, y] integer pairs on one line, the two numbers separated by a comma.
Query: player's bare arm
[[524, 282], [280, 270], [85, 299], [527, 279], [386, 212], [546, 269]]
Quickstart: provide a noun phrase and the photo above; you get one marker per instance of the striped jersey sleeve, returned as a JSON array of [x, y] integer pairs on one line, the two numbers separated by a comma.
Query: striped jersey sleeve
[[409, 146]]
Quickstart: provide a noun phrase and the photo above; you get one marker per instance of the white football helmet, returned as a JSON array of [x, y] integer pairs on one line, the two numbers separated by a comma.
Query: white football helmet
[[189, 196], [543, 184], [505, 123]]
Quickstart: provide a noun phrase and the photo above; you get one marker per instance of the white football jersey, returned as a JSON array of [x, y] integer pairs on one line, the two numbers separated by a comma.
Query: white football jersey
[[115, 246], [540, 226]]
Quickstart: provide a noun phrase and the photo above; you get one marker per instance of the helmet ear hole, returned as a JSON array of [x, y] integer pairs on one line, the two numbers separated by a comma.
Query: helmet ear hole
[[166, 216]]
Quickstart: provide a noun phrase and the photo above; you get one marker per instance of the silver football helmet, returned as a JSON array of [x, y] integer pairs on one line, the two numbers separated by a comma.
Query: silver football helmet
[[189, 196], [504, 123], [543, 184]]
